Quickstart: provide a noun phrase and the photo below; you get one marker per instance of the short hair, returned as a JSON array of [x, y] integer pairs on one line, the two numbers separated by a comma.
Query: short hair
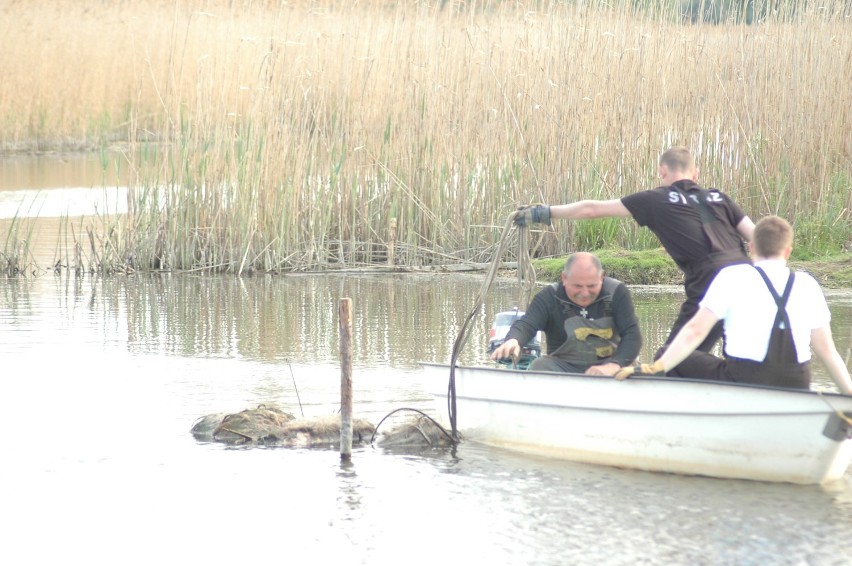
[[678, 158], [771, 235], [572, 259]]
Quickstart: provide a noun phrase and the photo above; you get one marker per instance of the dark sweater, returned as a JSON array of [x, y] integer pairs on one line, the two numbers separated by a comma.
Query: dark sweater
[[551, 307]]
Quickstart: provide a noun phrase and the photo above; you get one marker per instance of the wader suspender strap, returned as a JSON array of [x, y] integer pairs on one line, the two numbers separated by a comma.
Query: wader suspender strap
[[707, 217], [780, 301], [714, 229]]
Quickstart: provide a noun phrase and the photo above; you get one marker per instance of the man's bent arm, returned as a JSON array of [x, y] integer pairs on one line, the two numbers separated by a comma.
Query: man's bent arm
[[824, 348], [628, 327], [746, 228], [534, 320], [589, 209], [689, 338]]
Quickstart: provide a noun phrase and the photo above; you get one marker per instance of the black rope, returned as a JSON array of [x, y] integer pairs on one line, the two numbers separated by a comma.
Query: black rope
[[433, 421], [526, 278]]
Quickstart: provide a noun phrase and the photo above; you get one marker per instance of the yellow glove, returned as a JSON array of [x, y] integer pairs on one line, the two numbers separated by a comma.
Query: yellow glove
[[655, 368]]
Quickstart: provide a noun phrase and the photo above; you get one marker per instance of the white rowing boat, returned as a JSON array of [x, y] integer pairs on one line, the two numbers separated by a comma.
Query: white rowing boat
[[682, 426]]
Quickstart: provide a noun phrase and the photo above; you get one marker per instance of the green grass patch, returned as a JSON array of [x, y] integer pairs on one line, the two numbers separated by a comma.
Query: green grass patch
[[655, 267], [834, 272], [645, 267]]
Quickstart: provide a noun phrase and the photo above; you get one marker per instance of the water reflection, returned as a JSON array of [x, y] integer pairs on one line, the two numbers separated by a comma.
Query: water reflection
[[108, 375], [50, 200], [104, 377], [53, 203], [63, 170], [398, 320]]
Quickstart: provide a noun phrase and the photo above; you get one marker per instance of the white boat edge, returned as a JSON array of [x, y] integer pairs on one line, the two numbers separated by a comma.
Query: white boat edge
[[682, 426]]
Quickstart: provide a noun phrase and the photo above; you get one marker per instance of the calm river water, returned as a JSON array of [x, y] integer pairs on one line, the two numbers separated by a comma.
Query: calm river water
[[103, 378]]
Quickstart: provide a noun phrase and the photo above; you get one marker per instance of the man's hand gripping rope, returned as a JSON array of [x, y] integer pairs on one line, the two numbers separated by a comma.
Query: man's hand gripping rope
[[655, 368], [534, 214]]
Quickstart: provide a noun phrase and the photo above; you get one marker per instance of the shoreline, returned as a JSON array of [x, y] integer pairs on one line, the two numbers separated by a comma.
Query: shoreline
[[655, 267]]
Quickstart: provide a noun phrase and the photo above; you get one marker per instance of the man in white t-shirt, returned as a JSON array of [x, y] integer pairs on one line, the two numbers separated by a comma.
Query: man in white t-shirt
[[772, 318]]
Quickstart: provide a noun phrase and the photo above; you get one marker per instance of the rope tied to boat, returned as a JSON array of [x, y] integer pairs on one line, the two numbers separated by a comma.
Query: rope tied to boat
[[840, 414]]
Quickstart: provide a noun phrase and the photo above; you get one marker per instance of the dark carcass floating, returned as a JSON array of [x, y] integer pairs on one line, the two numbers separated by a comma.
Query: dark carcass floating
[[269, 425]]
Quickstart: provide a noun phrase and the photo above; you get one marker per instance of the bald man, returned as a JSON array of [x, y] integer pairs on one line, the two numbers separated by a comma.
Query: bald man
[[588, 319]]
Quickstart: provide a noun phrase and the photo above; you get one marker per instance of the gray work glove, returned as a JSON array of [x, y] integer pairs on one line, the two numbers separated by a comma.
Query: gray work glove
[[529, 215]]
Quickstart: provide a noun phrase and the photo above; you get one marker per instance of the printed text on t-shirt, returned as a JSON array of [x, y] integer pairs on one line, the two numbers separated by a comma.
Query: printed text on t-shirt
[[676, 196]]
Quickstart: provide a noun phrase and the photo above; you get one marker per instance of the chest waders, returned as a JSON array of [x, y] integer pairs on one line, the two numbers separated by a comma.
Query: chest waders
[[590, 341], [780, 367]]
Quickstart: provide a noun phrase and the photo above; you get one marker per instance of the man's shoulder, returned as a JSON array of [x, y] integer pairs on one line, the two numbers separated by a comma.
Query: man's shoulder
[[646, 194], [614, 287], [805, 278], [550, 290], [669, 192], [718, 196], [738, 276], [737, 270], [642, 204]]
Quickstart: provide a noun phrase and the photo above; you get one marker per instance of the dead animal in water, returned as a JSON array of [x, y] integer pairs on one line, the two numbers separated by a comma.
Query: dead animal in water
[[324, 431], [250, 425], [270, 426], [262, 425], [204, 426], [417, 432]]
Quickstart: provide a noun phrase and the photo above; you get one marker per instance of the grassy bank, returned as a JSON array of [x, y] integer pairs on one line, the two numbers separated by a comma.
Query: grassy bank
[[655, 267], [276, 137]]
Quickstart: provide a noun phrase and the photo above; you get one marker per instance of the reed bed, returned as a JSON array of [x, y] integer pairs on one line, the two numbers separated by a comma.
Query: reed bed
[[289, 136]]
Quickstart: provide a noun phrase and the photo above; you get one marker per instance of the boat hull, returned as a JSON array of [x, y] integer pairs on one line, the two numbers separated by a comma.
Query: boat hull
[[679, 426]]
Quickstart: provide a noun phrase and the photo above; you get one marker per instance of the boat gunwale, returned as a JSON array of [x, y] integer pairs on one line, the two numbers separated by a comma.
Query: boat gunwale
[[649, 378], [827, 410]]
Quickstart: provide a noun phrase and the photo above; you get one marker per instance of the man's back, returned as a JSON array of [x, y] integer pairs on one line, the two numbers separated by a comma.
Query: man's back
[[702, 230], [740, 298], [688, 233]]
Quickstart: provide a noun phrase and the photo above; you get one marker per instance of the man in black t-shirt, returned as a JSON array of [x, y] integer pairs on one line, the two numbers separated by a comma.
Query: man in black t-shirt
[[702, 230]]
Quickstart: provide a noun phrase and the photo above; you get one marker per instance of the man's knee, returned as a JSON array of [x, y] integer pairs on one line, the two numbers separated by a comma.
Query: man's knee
[[700, 365], [549, 363], [544, 363]]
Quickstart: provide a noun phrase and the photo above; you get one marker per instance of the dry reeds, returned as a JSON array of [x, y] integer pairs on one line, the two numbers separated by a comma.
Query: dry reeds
[[288, 136]]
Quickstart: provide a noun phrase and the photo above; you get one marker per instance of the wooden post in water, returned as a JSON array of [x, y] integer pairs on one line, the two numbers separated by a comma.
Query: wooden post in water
[[345, 317]]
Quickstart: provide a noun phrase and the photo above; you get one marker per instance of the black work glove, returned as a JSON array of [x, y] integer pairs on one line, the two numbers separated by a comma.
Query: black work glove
[[529, 215]]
